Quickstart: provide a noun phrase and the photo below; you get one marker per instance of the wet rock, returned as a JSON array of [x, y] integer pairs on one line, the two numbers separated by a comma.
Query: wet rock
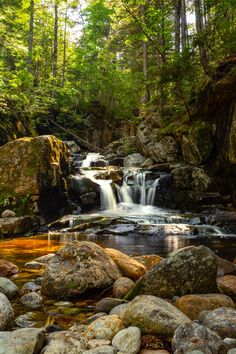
[[30, 319], [225, 267], [191, 337], [134, 160], [32, 300], [84, 191], [7, 268], [107, 304], [29, 287], [8, 214], [197, 145], [128, 340], [193, 305], [122, 286], [34, 265], [190, 178], [18, 225], [77, 268], [22, 341], [6, 313], [45, 259], [153, 315], [105, 349], [8, 288], [227, 285], [147, 163], [72, 146], [105, 327], [149, 261], [128, 265], [95, 317], [65, 342], [221, 320], [32, 174], [186, 271]]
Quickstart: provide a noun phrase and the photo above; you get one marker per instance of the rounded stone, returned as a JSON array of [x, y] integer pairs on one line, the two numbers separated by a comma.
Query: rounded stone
[[122, 286], [128, 340], [8, 288], [105, 327], [8, 213], [6, 313], [107, 304], [32, 300]]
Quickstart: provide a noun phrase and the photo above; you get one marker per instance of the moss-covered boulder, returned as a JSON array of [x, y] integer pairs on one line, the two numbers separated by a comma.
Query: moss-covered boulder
[[197, 145], [32, 176]]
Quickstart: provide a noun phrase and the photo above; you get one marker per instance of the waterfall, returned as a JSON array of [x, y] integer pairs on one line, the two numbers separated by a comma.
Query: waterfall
[[90, 158], [136, 188], [108, 199]]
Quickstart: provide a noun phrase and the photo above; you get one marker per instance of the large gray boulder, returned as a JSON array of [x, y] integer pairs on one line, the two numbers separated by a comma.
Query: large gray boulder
[[8, 288], [190, 270], [134, 160], [152, 315], [6, 313], [76, 268], [191, 337], [22, 341], [65, 342]]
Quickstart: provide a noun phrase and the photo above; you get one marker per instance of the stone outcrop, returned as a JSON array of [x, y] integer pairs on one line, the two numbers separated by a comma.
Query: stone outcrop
[[77, 268], [32, 176]]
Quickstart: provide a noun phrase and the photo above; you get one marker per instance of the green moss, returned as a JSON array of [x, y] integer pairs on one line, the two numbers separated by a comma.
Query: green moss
[[20, 205], [135, 291]]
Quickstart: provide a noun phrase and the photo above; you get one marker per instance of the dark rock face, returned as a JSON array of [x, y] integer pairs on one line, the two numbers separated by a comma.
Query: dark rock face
[[190, 270], [18, 225], [77, 268], [84, 192], [32, 174]]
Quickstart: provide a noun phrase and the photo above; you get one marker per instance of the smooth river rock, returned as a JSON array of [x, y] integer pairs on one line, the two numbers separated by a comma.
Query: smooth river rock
[[221, 320], [122, 286], [7, 268], [107, 304], [192, 337], [77, 268], [185, 271], [227, 285], [153, 315], [128, 340], [8, 288], [32, 300], [6, 313], [22, 341], [65, 342], [105, 327], [128, 265], [193, 305]]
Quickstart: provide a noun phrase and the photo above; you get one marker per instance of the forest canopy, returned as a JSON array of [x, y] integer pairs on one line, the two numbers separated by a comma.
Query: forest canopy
[[56, 57]]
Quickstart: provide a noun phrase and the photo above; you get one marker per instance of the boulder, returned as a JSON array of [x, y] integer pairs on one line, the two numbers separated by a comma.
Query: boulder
[[128, 265], [122, 286], [197, 145], [8, 214], [18, 225], [165, 150], [32, 174], [65, 342], [191, 337], [149, 261], [193, 305], [128, 340], [153, 315], [76, 268], [29, 287], [222, 321], [22, 341], [185, 271], [7, 269], [105, 327], [190, 178], [227, 285], [105, 349], [8, 288], [134, 160], [94, 343], [6, 314]]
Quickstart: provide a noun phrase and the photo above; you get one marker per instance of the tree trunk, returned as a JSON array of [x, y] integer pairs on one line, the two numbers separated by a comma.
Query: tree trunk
[[177, 25], [55, 43], [146, 96], [64, 47], [31, 36], [184, 25]]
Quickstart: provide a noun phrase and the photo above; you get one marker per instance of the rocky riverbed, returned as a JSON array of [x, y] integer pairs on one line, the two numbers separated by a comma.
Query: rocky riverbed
[[83, 298]]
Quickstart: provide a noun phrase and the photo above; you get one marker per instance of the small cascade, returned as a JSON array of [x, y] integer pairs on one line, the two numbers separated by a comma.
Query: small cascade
[[137, 188], [91, 158]]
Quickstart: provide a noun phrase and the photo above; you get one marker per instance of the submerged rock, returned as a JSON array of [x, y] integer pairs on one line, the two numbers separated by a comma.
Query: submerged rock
[[191, 337], [185, 271], [76, 268], [152, 315]]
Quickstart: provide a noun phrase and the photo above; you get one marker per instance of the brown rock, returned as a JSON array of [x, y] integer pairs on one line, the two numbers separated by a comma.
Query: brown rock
[[18, 225], [128, 265], [227, 285], [149, 261], [7, 268], [122, 286], [193, 305], [151, 351]]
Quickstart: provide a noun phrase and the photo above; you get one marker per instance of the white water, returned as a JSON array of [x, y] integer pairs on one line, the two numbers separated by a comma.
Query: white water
[[90, 158]]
